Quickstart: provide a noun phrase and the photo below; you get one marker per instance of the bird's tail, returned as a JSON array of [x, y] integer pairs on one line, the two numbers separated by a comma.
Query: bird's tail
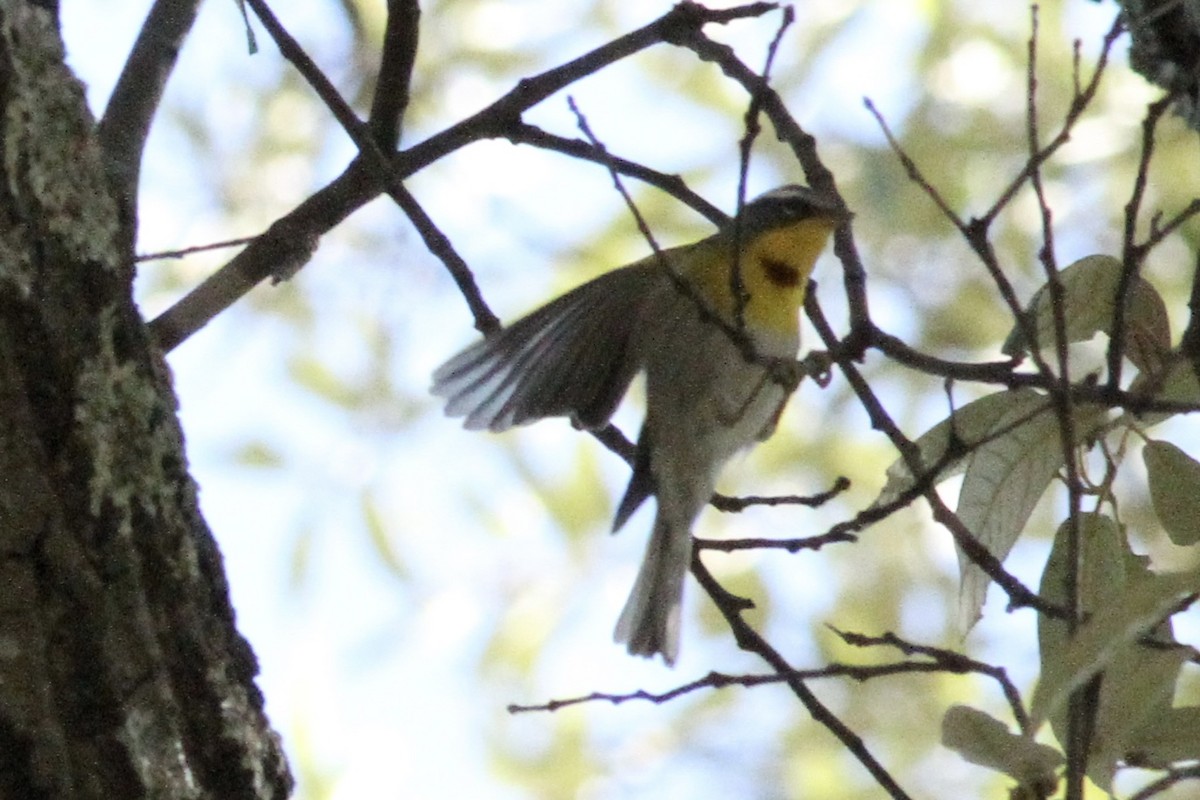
[[649, 624]]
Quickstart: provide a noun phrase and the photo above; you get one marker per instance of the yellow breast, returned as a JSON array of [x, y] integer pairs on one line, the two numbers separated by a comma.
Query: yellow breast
[[775, 267]]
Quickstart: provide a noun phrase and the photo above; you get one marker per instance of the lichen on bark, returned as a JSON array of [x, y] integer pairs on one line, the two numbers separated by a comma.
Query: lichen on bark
[[51, 160], [121, 671]]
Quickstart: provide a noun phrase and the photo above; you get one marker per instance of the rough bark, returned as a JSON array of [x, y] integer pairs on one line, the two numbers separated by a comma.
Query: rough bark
[[122, 674]]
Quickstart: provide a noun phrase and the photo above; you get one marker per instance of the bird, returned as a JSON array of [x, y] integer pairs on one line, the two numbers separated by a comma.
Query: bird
[[705, 322]]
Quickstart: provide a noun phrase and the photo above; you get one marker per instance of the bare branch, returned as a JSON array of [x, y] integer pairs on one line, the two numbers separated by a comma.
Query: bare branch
[[718, 680], [737, 287], [1131, 254], [1174, 775], [750, 640], [134, 102], [524, 133], [761, 543], [199, 248], [1018, 594], [735, 504], [272, 254], [400, 38], [438, 244], [293, 52], [948, 661]]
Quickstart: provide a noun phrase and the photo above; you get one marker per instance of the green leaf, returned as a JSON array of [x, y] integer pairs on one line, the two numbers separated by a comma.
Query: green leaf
[[1176, 383], [967, 426], [1089, 288], [1147, 328], [1175, 490], [1139, 681], [1101, 575], [300, 555], [381, 542], [1171, 736], [258, 454], [984, 740], [1097, 642], [573, 497], [1135, 700], [1009, 446], [1004, 480], [315, 376]]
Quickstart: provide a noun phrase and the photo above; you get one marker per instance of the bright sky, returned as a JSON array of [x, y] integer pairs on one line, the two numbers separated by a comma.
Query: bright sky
[[373, 681]]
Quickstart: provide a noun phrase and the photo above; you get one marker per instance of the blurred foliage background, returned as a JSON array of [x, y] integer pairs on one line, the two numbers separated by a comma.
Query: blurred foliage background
[[403, 581]]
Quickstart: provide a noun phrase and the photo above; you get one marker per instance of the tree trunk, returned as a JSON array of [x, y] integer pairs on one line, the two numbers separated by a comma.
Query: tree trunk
[[121, 672]]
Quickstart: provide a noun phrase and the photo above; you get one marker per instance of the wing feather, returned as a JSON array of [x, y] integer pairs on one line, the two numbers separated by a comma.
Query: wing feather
[[571, 357]]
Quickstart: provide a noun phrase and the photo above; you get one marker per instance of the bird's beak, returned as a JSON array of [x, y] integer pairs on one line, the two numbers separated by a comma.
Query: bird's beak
[[839, 216]]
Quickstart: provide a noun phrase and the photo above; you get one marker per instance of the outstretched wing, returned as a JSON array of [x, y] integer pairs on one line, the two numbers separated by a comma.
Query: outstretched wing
[[571, 357]]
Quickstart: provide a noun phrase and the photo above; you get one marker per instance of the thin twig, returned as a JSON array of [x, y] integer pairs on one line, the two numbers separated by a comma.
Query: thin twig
[[392, 89], [1158, 232], [437, 243], [1131, 253], [737, 286], [1018, 594], [358, 131], [135, 100], [736, 504], [199, 248], [1081, 713], [1174, 775], [750, 640], [1080, 101], [674, 185], [763, 543], [684, 20], [914, 172], [718, 680], [975, 232], [948, 661], [291, 239], [787, 373]]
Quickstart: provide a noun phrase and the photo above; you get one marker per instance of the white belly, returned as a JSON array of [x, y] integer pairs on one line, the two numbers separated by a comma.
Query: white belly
[[705, 402]]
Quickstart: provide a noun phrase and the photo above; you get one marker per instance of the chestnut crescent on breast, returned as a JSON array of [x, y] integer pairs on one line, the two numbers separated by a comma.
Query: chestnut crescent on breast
[[780, 273]]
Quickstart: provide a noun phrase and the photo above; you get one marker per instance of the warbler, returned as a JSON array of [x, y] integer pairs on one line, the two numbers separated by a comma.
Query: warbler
[[706, 350]]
